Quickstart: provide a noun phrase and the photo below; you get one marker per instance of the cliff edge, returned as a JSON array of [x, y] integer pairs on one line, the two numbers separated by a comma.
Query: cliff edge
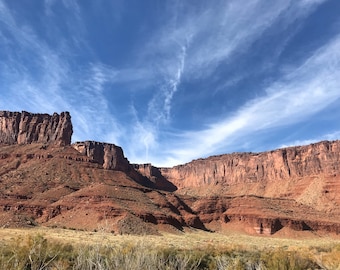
[[25, 128]]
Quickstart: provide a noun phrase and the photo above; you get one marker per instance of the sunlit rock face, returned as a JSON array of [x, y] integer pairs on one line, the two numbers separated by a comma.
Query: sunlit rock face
[[45, 177], [109, 155], [308, 175], [25, 128], [317, 159]]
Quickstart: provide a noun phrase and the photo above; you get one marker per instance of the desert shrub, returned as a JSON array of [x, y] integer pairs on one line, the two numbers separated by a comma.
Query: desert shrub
[[172, 258], [38, 253], [34, 253], [137, 256], [239, 259], [329, 259], [280, 259], [90, 257]]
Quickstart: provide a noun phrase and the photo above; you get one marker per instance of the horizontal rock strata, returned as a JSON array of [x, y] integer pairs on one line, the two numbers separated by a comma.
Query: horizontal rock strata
[[277, 165], [90, 183]]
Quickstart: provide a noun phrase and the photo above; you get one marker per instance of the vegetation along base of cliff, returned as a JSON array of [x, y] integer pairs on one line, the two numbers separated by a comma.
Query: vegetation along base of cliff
[[70, 249]]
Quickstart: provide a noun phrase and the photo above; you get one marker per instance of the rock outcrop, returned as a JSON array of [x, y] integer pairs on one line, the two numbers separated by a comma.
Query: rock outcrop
[[110, 156], [154, 175], [26, 128], [59, 186]]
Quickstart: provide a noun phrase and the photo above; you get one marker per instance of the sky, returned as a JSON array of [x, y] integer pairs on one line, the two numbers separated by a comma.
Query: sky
[[173, 81]]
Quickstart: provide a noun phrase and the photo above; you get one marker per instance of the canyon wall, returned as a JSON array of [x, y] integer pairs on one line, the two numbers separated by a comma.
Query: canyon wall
[[295, 187], [26, 128], [317, 159]]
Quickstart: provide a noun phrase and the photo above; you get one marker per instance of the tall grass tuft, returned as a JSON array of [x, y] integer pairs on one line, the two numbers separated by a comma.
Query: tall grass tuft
[[34, 253], [38, 253]]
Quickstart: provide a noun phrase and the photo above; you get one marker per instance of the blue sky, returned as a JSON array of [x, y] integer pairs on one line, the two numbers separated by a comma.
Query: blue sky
[[172, 81]]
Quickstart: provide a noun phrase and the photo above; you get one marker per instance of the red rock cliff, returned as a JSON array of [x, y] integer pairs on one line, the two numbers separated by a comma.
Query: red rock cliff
[[321, 158], [25, 128], [155, 176], [106, 154], [111, 157], [295, 187], [307, 174]]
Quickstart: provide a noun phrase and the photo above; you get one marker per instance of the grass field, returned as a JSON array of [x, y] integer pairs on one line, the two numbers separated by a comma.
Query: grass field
[[47, 248]]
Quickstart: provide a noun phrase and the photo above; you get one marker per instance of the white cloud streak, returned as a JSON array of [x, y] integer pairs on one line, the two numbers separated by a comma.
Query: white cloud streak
[[214, 33], [303, 92], [196, 41], [159, 108], [202, 38], [54, 86]]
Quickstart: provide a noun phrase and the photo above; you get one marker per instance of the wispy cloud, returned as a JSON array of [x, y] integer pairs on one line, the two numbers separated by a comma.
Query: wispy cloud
[[159, 108], [304, 91], [39, 79], [192, 43], [218, 32], [142, 138], [49, 6], [199, 39]]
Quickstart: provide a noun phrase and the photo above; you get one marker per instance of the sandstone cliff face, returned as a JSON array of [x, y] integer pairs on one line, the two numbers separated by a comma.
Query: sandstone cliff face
[[110, 156], [296, 187], [290, 163], [26, 128], [308, 175], [155, 176]]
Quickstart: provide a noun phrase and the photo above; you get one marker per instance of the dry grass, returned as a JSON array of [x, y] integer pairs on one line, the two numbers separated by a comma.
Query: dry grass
[[46, 248], [194, 238]]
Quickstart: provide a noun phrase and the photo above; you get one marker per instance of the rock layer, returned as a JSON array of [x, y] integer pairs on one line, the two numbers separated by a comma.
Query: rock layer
[[26, 128], [317, 159], [301, 182], [91, 183], [59, 186]]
